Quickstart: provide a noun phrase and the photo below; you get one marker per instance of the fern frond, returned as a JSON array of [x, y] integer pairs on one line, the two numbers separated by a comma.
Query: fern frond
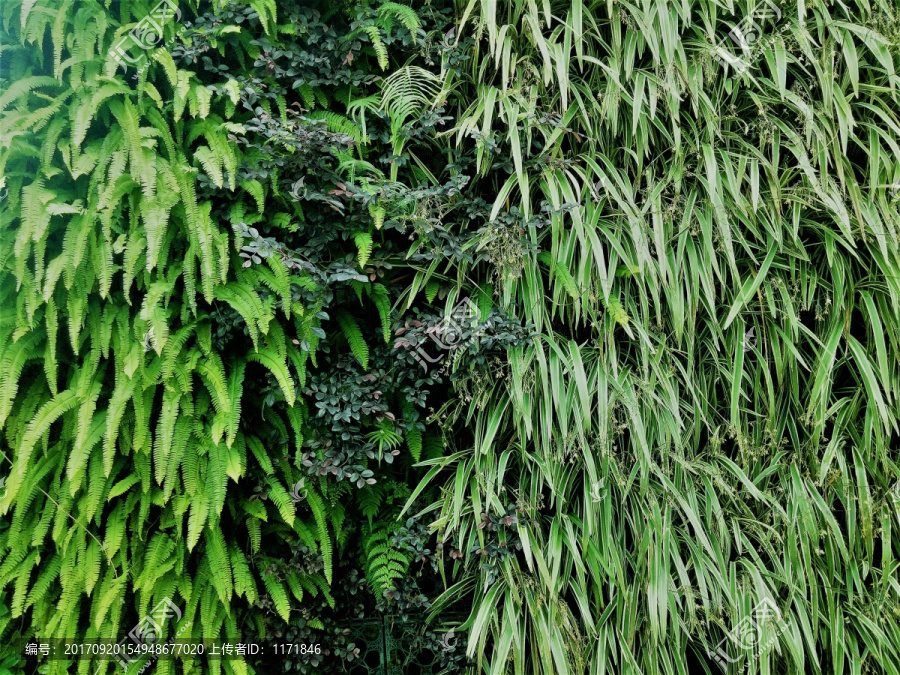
[[212, 373], [282, 501], [381, 299], [370, 498], [337, 124], [294, 584], [279, 370], [244, 584], [385, 564], [433, 445], [364, 244], [235, 391], [115, 530], [618, 313], [354, 336], [561, 273], [279, 282], [256, 447], [51, 411], [255, 188], [254, 531], [318, 509], [246, 303], [378, 45], [197, 520], [409, 90], [279, 596], [212, 164], [407, 16], [378, 214], [219, 563], [42, 584], [11, 366], [23, 86]]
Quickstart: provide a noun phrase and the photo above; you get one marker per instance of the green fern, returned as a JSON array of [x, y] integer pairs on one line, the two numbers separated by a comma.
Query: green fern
[[244, 583], [364, 243], [278, 368], [413, 435], [433, 445], [381, 299], [338, 123], [354, 336], [219, 563], [282, 501], [409, 90], [235, 391], [378, 45], [561, 273], [215, 482], [618, 313], [407, 16], [370, 500], [324, 540], [384, 563]]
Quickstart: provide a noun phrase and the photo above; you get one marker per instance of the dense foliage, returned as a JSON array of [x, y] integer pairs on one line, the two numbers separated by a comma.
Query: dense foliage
[[199, 396], [533, 311]]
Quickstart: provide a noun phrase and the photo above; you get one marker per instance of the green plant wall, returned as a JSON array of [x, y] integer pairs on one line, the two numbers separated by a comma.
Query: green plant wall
[[578, 319]]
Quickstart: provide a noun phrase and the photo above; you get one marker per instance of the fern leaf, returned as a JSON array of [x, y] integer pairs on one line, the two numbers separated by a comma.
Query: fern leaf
[[114, 594], [235, 391], [25, 85], [561, 273], [244, 584], [378, 45], [219, 563], [51, 411], [279, 282], [256, 447], [165, 432], [254, 531], [407, 16], [279, 596], [255, 188], [617, 311], [363, 246], [216, 483], [354, 336], [337, 124], [212, 373], [378, 213], [409, 90], [42, 584], [282, 501], [11, 366], [279, 370], [246, 303], [123, 486], [370, 498], [196, 521], [50, 366], [318, 509], [211, 164], [294, 584], [115, 530], [381, 298]]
